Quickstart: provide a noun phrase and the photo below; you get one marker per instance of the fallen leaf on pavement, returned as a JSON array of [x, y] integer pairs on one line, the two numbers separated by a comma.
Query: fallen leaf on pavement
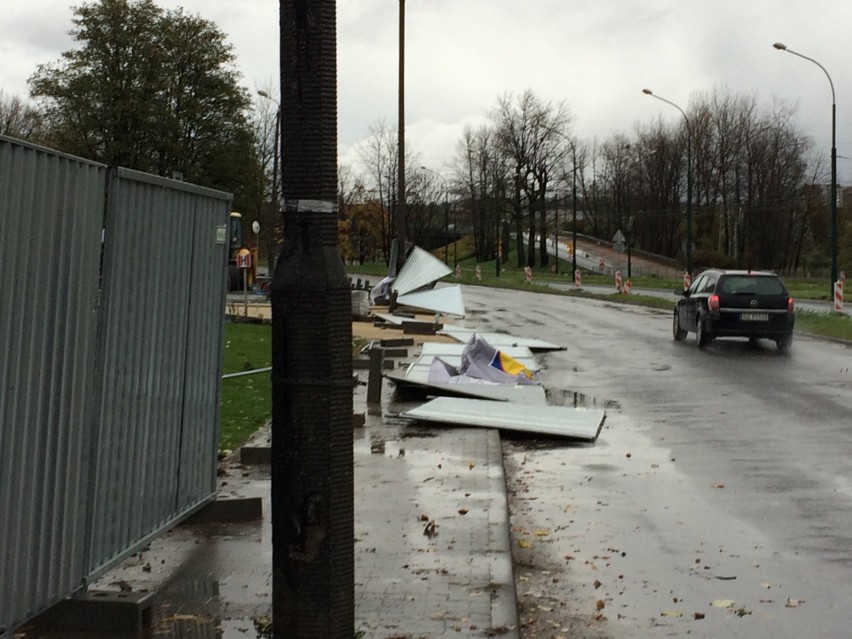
[[523, 543], [718, 485], [794, 603], [463, 511], [671, 613], [698, 615], [541, 533], [723, 603], [599, 604]]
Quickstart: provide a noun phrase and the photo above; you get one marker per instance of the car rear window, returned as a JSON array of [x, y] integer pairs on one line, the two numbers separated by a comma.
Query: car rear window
[[752, 285]]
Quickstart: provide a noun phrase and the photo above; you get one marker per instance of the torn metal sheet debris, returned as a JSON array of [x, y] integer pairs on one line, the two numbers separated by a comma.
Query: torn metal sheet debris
[[519, 394], [447, 300], [500, 340], [421, 268], [481, 362], [476, 369], [562, 421]]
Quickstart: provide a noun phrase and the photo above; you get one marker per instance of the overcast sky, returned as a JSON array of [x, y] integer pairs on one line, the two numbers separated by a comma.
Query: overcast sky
[[595, 55]]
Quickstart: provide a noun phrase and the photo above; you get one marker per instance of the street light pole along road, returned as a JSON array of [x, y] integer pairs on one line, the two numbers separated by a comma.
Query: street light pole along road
[[688, 177], [833, 194]]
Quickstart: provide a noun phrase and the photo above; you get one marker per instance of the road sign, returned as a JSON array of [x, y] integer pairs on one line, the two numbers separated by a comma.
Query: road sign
[[244, 258]]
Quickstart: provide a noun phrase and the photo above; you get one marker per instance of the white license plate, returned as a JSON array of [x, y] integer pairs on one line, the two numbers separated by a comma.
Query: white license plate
[[755, 317]]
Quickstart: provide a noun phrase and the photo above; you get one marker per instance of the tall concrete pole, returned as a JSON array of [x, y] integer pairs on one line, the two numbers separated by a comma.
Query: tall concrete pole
[[312, 474], [400, 199]]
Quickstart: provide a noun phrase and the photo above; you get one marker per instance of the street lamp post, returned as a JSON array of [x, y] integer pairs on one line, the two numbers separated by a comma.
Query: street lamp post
[[833, 193], [574, 222], [400, 199], [688, 177], [446, 212]]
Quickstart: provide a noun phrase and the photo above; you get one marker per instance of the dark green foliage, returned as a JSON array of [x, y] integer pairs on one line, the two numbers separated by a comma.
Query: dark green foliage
[[151, 90]]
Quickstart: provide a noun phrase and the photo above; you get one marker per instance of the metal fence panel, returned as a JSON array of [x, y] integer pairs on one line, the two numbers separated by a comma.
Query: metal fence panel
[[163, 313], [51, 214]]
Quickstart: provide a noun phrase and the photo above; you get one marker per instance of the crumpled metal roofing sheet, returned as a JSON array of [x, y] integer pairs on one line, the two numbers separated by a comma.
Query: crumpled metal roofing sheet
[[517, 393], [447, 300], [421, 268], [500, 340], [562, 421], [418, 370]]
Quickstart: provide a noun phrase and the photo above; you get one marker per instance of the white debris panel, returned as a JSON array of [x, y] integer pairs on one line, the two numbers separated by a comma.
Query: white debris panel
[[518, 394], [447, 300], [561, 421], [500, 340], [421, 268]]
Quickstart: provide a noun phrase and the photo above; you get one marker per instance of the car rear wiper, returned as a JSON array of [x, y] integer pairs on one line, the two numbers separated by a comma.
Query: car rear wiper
[[745, 293]]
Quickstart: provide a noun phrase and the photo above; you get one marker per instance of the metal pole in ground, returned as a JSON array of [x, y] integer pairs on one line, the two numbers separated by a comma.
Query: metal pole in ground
[[312, 457]]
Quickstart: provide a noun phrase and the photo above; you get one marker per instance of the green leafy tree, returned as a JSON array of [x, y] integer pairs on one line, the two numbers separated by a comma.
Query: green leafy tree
[[155, 91]]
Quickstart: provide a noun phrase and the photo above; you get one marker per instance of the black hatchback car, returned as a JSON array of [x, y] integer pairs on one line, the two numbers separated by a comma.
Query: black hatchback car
[[752, 304]]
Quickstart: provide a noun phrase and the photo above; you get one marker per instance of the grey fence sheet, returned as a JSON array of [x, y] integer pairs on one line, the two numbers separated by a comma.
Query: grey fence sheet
[[110, 358]]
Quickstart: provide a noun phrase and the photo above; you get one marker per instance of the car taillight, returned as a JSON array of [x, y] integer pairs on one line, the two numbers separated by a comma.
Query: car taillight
[[790, 308], [713, 303]]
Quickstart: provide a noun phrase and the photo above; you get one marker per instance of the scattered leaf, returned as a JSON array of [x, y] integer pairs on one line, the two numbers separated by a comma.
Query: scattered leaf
[[698, 615], [471, 466], [671, 613], [723, 603], [599, 604], [718, 485], [463, 511], [541, 533], [523, 543], [794, 603], [597, 584]]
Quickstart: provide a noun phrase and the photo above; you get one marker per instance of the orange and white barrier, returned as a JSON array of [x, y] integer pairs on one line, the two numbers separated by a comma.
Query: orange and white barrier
[[618, 281], [528, 274], [687, 280], [478, 272], [627, 287], [577, 278], [601, 265], [838, 296]]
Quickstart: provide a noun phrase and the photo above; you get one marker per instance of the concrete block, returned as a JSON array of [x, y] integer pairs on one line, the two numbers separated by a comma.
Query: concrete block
[[229, 511], [360, 303], [101, 611], [256, 455], [396, 341]]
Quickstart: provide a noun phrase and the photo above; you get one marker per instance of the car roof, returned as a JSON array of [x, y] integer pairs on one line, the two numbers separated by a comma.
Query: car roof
[[722, 271]]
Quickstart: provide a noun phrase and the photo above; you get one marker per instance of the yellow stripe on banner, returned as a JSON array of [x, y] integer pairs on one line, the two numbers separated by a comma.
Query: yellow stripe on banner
[[512, 366]]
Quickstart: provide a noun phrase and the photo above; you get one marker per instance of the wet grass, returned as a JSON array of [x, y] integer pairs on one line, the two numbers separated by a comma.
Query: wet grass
[[246, 401]]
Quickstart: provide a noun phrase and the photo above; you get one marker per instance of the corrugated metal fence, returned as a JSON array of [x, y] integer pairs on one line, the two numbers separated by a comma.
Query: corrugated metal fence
[[111, 319]]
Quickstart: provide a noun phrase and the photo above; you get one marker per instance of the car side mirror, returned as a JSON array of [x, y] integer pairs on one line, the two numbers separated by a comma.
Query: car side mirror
[[684, 292]]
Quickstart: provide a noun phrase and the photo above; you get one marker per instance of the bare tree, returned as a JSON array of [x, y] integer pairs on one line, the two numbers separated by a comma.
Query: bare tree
[[18, 119], [530, 133]]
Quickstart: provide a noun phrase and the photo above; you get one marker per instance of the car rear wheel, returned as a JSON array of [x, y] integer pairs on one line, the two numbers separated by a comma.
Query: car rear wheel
[[784, 343], [703, 336], [678, 333]]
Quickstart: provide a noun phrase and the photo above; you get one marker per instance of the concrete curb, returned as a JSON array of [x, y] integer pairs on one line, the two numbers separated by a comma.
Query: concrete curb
[[504, 612]]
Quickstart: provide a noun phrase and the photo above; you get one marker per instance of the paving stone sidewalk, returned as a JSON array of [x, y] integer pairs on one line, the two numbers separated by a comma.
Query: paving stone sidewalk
[[432, 554]]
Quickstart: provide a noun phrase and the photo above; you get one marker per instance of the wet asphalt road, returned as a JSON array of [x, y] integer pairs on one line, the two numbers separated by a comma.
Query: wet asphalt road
[[717, 501]]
